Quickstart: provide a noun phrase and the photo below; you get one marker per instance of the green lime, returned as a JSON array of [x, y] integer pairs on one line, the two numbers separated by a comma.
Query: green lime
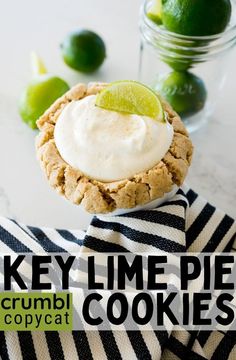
[[131, 97], [185, 92], [177, 63], [154, 13], [196, 17], [180, 55], [40, 93], [83, 50], [177, 54]]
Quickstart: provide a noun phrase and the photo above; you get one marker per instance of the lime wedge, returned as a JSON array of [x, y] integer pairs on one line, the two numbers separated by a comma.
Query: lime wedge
[[37, 65], [155, 12], [131, 97]]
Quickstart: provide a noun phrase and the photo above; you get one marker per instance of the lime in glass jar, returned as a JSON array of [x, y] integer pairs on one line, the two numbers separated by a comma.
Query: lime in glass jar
[[188, 71]]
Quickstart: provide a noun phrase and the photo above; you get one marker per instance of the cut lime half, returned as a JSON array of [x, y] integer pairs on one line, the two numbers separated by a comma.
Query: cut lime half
[[131, 97], [155, 12]]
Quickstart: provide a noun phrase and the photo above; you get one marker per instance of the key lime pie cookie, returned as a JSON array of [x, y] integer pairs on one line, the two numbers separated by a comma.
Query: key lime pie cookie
[[111, 147]]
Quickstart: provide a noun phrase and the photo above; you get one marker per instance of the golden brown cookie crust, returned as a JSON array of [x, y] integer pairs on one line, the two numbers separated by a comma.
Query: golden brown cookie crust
[[101, 197]]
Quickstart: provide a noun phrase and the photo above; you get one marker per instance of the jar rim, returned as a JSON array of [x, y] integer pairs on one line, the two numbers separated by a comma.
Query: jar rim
[[229, 31]]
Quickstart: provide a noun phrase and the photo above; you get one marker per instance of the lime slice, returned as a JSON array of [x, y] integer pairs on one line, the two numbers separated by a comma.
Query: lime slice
[[131, 97], [155, 12], [37, 64]]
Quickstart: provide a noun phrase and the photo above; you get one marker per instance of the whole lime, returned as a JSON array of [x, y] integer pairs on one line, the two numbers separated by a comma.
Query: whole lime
[[196, 17], [83, 50], [185, 92], [179, 57], [40, 93]]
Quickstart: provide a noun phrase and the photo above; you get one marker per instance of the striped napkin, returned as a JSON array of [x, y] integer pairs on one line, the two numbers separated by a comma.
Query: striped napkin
[[186, 223]]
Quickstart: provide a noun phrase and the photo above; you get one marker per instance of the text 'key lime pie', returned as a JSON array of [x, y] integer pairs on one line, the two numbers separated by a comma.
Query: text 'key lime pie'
[[113, 146]]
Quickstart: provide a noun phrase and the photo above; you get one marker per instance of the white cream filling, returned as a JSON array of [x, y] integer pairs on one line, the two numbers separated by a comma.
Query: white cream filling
[[107, 145]]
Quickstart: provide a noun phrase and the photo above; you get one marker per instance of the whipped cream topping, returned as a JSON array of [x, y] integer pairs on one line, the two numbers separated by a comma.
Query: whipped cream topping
[[107, 145]]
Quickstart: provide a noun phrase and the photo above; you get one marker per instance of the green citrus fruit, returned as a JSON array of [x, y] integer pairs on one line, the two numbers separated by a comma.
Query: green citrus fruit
[[177, 54], [131, 97], [40, 93], [177, 63], [185, 92], [180, 55], [196, 17], [154, 13], [83, 51]]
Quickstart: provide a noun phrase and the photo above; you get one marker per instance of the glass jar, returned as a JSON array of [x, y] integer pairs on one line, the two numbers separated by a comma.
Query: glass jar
[[188, 71]]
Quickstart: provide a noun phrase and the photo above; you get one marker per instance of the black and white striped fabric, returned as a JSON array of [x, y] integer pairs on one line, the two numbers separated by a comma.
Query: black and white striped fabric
[[186, 223]]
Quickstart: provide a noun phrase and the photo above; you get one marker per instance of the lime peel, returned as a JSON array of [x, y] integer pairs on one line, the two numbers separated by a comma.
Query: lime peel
[[131, 97]]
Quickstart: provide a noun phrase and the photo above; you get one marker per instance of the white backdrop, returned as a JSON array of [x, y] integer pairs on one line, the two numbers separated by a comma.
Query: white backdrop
[[32, 25]]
